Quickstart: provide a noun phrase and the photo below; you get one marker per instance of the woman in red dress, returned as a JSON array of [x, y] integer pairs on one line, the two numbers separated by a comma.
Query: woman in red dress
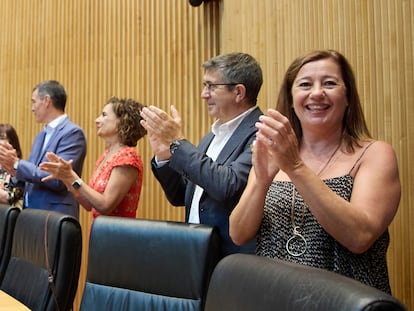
[[115, 186]]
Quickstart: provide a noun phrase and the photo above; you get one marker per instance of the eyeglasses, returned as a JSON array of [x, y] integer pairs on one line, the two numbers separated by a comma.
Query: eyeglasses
[[212, 86]]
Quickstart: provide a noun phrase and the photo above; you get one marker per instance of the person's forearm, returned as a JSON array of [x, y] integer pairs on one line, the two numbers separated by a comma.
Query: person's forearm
[[222, 182], [85, 203], [246, 217]]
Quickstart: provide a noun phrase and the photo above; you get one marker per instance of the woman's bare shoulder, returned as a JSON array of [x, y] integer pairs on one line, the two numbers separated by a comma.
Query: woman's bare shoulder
[[377, 148], [377, 153]]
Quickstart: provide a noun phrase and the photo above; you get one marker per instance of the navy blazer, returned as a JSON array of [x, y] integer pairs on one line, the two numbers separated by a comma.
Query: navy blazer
[[67, 141], [223, 180]]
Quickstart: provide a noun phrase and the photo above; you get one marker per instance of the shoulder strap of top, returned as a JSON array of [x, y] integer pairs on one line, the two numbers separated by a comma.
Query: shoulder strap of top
[[359, 158]]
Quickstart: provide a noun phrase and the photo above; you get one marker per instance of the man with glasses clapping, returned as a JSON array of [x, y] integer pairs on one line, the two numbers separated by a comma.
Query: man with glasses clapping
[[209, 179]]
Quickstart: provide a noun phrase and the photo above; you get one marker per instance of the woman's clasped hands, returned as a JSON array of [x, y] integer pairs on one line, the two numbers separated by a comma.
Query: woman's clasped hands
[[275, 148]]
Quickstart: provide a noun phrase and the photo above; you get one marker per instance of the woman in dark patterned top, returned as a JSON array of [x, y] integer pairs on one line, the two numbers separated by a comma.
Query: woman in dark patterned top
[[321, 192]]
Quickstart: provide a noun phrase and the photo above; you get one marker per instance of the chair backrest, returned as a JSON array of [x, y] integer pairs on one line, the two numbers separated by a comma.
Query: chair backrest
[[248, 283], [137, 264], [8, 216], [43, 269]]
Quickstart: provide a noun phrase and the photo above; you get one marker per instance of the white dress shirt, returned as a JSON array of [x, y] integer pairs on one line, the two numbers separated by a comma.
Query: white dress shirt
[[222, 132]]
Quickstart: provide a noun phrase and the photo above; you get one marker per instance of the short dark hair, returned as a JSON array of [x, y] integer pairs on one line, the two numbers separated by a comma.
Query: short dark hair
[[10, 134], [239, 68], [55, 90], [128, 112]]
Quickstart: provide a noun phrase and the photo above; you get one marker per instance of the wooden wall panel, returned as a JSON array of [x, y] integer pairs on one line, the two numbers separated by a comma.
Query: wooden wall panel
[[152, 51], [148, 50], [377, 37]]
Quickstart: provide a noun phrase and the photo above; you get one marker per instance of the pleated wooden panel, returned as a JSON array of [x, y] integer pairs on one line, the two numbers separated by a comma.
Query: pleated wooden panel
[[148, 50], [377, 38], [153, 51]]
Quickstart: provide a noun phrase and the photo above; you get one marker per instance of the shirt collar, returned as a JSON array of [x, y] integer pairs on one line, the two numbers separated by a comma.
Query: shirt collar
[[54, 123], [219, 128]]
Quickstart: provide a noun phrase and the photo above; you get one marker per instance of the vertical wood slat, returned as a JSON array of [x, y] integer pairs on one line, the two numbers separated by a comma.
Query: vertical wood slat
[[147, 50], [377, 37], [152, 51]]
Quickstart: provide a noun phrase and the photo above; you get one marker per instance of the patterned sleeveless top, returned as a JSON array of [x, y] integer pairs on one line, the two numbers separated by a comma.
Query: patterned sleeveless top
[[322, 251]]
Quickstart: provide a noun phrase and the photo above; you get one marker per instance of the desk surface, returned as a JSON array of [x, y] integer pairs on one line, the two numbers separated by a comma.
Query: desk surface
[[8, 303]]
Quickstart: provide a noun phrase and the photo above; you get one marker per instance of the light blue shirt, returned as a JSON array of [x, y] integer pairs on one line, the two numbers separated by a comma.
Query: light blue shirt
[[51, 127]]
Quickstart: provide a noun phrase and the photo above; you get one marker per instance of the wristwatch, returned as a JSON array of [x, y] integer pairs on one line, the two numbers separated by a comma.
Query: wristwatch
[[174, 145], [77, 184]]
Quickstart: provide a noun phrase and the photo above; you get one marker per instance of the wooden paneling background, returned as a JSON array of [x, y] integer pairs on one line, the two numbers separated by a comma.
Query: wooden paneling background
[[377, 36], [148, 50], [152, 50]]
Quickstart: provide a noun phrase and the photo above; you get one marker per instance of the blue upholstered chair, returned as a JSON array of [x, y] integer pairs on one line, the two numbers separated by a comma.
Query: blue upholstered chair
[[44, 265], [243, 282], [148, 265], [8, 217]]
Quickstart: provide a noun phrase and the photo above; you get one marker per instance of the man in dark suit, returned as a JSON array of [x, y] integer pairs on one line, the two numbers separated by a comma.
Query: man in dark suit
[[210, 178], [60, 136]]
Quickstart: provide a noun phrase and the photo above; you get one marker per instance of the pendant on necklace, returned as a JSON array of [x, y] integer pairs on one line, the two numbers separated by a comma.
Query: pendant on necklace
[[296, 245]]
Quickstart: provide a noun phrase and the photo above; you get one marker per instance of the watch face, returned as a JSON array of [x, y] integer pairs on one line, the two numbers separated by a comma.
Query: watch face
[[76, 184], [174, 146]]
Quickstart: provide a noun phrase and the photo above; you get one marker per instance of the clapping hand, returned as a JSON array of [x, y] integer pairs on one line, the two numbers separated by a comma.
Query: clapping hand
[[57, 167]]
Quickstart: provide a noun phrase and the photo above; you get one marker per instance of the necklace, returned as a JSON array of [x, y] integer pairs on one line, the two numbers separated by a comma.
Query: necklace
[[297, 245], [329, 161]]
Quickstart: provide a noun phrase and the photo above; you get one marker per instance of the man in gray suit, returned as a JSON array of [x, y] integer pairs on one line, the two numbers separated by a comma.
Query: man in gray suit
[[60, 136], [210, 178]]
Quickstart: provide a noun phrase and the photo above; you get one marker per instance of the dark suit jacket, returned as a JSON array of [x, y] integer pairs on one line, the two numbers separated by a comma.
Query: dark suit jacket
[[68, 141], [223, 180]]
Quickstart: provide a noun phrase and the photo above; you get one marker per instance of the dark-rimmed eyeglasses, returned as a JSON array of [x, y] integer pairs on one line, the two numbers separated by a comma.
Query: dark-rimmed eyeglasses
[[212, 86]]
